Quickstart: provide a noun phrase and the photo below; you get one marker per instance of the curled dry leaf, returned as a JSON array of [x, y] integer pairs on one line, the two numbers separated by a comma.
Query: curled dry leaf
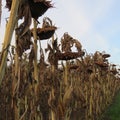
[[49, 48], [42, 64], [47, 22], [24, 27], [23, 43], [55, 45], [67, 43], [114, 71], [77, 45], [52, 59], [31, 56], [50, 55], [99, 60]]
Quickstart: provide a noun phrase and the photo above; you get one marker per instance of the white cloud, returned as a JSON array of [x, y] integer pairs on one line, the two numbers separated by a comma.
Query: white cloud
[[79, 22]]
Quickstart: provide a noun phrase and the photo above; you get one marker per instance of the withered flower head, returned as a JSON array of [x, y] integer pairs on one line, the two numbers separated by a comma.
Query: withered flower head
[[37, 7], [46, 31], [106, 55]]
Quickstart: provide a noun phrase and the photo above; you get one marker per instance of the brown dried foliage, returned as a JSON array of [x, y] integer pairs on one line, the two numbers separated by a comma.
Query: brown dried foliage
[[52, 94], [67, 43], [89, 87], [23, 43]]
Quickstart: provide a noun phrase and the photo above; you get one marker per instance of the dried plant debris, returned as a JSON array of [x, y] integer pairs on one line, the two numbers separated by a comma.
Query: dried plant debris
[[24, 27], [56, 46], [23, 43], [68, 42], [46, 31], [31, 55], [114, 71], [51, 56], [42, 64], [86, 83], [100, 60], [97, 56], [53, 50], [101, 64], [56, 54], [77, 45]]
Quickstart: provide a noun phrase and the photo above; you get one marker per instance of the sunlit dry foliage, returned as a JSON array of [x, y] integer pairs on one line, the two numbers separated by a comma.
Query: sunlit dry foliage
[[87, 84], [79, 88]]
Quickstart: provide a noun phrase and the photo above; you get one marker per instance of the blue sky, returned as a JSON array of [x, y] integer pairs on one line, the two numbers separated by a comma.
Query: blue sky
[[95, 23]]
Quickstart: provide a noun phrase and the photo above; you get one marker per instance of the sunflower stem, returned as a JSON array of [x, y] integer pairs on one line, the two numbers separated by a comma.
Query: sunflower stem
[[35, 62], [8, 36]]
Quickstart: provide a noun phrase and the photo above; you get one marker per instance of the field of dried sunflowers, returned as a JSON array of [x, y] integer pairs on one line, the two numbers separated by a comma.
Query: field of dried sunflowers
[[67, 86]]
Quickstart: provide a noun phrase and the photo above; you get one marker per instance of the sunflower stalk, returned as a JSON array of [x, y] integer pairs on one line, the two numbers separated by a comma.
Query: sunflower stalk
[[66, 73], [8, 36], [35, 60], [53, 115], [35, 51], [16, 75]]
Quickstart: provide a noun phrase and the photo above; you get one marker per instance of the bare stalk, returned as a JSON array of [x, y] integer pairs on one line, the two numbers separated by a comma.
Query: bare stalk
[[8, 36], [53, 115], [35, 51], [35, 61]]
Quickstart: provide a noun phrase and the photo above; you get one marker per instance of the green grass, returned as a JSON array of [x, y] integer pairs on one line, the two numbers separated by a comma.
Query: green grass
[[113, 112]]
